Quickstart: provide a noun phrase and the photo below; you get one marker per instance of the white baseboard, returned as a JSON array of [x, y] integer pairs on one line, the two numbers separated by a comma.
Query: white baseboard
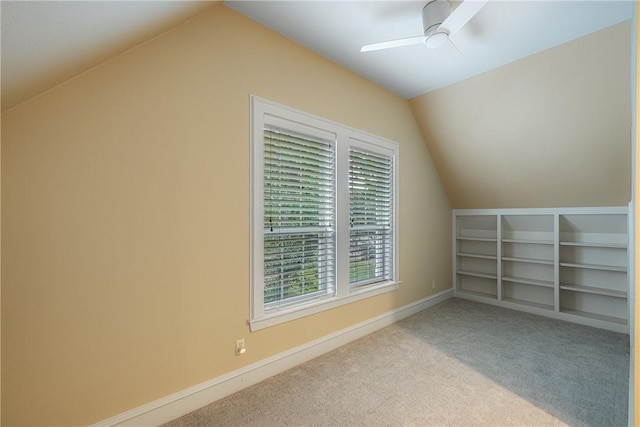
[[177, 404]]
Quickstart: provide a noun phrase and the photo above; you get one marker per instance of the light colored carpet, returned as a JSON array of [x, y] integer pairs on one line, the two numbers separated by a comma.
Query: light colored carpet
[[458, 363]]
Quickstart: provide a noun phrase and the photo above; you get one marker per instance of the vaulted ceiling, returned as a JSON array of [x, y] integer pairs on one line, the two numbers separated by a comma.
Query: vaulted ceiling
[[46, 43]]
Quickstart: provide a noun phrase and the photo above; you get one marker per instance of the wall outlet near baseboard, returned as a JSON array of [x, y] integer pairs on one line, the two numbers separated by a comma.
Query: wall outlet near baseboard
[[240, 348], [433, 284]]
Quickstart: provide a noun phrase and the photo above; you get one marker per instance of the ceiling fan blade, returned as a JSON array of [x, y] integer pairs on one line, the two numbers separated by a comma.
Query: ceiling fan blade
[[461, 15], [393, 43]]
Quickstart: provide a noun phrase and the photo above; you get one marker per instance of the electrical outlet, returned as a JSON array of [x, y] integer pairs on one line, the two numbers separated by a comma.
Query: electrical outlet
[[433, 284], [240, 348]]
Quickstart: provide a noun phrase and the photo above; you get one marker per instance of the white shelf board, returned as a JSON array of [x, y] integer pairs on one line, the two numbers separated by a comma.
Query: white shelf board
[[529, 242], [477, 274], [593, 290], [528, 260], [527, 281], [482, 256], [621, 269], [476, 293], [595, 316], [595, 245], [529, 303], [478, 239]]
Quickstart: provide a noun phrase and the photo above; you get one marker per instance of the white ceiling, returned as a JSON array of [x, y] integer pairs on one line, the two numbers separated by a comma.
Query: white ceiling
[[502, 32], [47, 42]]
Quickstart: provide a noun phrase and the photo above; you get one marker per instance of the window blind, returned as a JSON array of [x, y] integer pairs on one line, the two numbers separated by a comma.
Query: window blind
[[299, 216], [370, 216]]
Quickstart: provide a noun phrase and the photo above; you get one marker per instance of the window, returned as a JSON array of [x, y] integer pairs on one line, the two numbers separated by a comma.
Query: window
[[299, 216], [370, 217], [323, 230]]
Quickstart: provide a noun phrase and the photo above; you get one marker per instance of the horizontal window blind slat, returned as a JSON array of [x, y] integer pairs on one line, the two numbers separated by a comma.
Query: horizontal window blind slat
[[286, 200], [277, 240], [358, 153], [287, 152], [319, 218], [307, 195], [367, 207], [295, 222], [299, 144], [370, 168], [274, 132], [363, 221], [367, 213], [283, 210], [272, 216], [291, 167], [286, 225], [370, 188], [321, 232], [291, 190], [368, 171], [282, 176]]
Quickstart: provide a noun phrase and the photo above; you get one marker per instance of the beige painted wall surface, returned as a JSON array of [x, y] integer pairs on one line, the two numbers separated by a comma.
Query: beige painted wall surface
[[636, 363], [125, 219], [550, 130]]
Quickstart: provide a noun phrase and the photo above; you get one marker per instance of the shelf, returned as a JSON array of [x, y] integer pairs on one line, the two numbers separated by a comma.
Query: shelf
[[593, 290], [477, 274], [529, 242], [595, 245], [601, 317], [482, 256], [527, 281], [621, 269], [478, 239], [477, 294], [528, 260], [528, 303]]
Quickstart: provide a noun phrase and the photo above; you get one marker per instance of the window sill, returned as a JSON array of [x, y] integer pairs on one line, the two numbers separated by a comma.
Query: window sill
[[295, 312]]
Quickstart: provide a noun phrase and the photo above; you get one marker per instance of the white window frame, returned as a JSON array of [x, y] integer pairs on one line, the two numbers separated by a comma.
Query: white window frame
[[263, 111]]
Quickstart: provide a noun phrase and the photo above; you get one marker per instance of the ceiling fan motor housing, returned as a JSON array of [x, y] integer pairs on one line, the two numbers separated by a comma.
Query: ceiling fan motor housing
[[433, 14]]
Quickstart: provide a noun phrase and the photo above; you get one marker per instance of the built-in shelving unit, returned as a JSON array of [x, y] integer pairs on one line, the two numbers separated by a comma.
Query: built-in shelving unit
[[527, 260], [593, 266], [568, 263], [476, 257]]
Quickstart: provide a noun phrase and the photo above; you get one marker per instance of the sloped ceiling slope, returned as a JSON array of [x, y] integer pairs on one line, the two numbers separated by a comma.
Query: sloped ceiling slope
[[45, 43], [553, 129]]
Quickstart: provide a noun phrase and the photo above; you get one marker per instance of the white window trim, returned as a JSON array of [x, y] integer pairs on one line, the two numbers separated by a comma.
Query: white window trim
[[346, 138]]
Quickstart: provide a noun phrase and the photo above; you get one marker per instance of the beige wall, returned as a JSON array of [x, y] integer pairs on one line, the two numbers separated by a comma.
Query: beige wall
[[550, 130], [634, 342], [125, 219]]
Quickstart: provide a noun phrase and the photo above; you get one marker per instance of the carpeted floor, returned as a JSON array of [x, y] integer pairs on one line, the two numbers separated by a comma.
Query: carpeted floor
[[458, 363]]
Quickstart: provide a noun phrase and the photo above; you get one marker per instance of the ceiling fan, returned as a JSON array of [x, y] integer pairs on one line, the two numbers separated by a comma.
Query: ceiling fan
[[439, 23]]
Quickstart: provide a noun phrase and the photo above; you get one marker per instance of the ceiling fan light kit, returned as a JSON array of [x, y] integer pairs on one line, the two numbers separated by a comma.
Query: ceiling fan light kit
[[436, 40], [433, 15]]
